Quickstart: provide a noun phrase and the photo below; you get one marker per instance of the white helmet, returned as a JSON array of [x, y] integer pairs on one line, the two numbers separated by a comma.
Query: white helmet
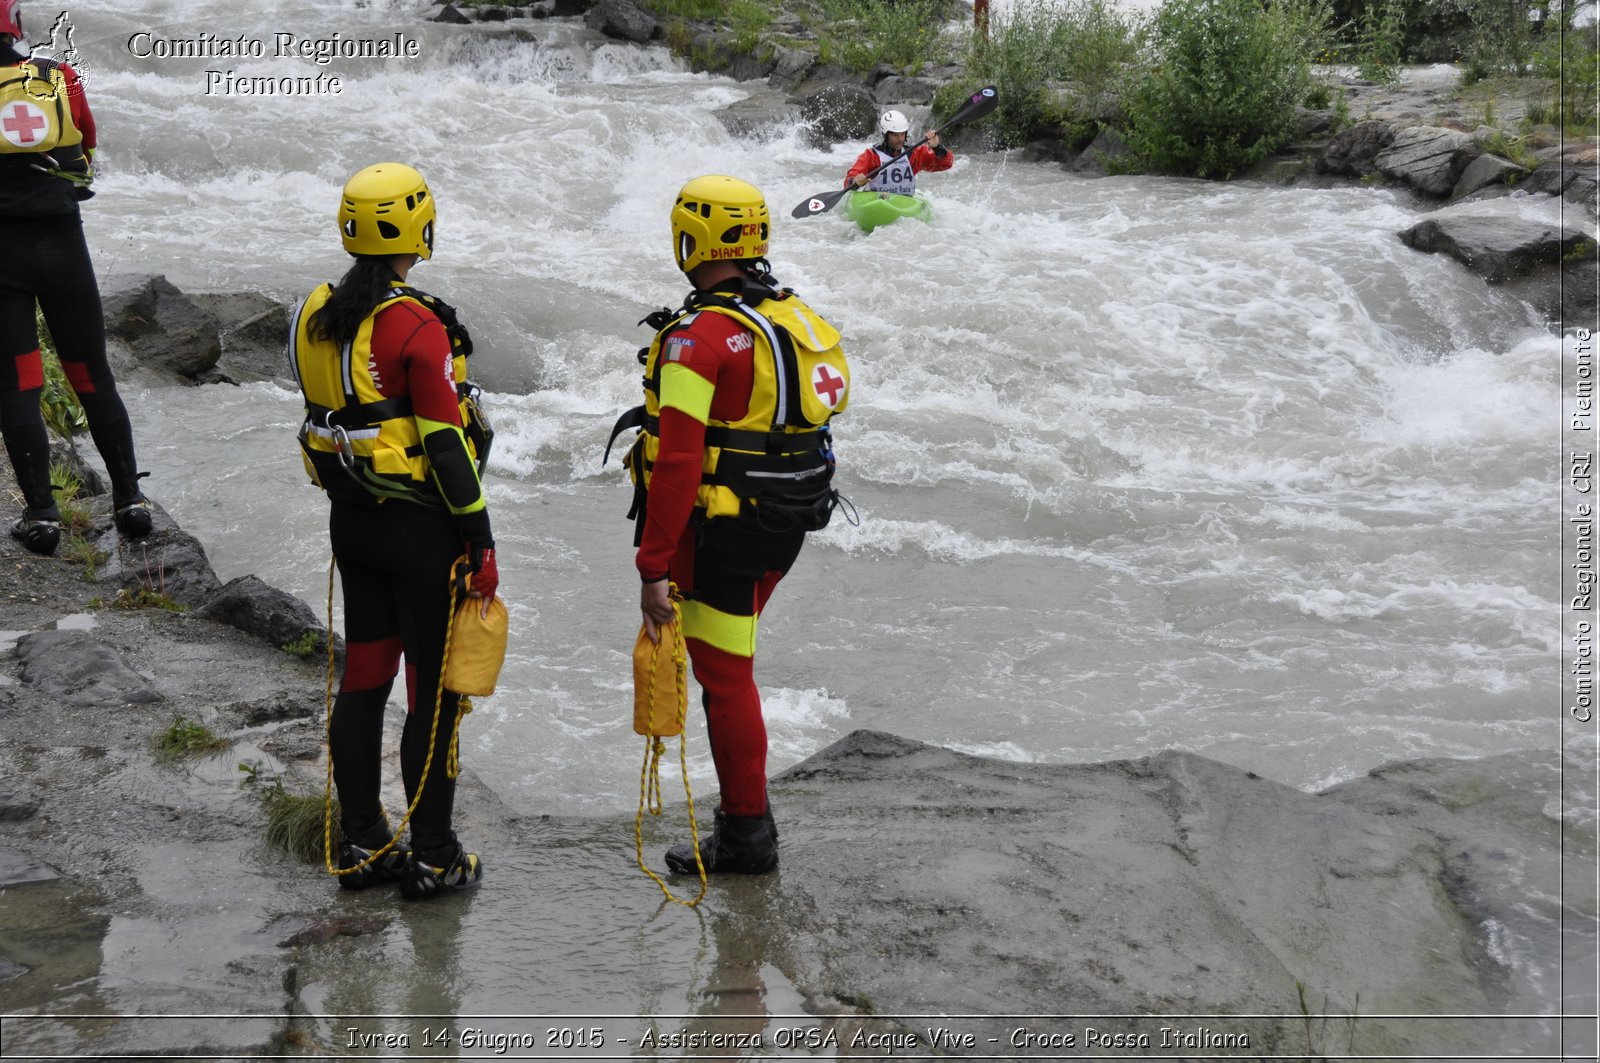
[[893, 122]]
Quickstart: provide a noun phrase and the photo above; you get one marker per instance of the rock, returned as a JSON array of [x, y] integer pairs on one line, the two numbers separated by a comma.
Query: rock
[[1352, 150], [758, 114], [1103, 150], [1495, 248], [791, 66], [1487, 170], [565, 8], [899, 89], [719, 51], [273, 709], [17, 801], [18, 868], [622, 20], [255, 608], [168, 561], [252, 328], [1568, 171], [451, 15], [1565, 298], [838, 110], [163, 327], [77, 667], [1175, 885], [1309, 123], [493, 14], [1427, 158], [10, 970]]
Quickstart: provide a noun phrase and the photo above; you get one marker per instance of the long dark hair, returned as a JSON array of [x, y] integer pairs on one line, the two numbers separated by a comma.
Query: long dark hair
[[361, 288]]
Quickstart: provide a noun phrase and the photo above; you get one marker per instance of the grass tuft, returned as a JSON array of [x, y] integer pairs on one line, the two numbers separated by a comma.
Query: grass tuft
[[188, 738]]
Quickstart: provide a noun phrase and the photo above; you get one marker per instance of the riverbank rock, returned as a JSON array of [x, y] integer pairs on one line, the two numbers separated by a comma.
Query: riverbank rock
[[252, 328], [82, 671], [160, 325], [1497, 248], [254, 607], [1167, 885], [169, 562], [1550, 266], [1428, 159], [623, 20], [838, 108]]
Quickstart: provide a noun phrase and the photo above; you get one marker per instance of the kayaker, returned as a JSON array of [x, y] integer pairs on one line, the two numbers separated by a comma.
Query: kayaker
[[897, 172], [731, 470]]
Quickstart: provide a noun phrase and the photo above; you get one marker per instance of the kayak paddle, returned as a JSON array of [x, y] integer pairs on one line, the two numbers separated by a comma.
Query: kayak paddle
[[978, 104]]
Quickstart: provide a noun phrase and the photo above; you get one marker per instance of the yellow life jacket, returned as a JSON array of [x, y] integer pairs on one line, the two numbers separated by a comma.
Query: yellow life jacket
[[355, 442], [773, 467], [36, 113]]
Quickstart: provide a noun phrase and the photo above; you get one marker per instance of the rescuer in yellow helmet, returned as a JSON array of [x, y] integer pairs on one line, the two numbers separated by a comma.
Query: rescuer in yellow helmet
[[392, 433], [731, 468]]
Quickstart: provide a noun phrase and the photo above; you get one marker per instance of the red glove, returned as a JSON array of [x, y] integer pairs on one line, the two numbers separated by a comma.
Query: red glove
[[485, 575]]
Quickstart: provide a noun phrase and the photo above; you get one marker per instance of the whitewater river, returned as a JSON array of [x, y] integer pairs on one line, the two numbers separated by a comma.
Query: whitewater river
[[1139, 463]]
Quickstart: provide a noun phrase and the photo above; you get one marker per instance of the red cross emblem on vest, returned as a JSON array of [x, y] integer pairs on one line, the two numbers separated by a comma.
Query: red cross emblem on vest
[[828, 384], [22, 122]]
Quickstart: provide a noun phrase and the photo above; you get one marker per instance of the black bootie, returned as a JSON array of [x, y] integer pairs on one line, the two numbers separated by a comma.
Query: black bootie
[[739, 845]]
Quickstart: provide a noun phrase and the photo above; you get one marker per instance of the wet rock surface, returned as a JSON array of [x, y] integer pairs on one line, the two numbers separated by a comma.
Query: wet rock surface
[[914, 881]]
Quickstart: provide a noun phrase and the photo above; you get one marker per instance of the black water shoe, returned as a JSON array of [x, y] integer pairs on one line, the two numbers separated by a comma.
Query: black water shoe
[[423, 879], [387, 868], [39, 536], [739, 845], [133, 519]]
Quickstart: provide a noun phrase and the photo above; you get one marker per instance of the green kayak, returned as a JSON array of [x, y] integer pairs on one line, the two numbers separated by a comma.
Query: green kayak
[[872, 209]]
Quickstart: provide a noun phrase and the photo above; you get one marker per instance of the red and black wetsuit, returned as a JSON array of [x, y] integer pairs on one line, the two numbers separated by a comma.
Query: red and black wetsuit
[[46, 260], [394, 559], [723, 565]]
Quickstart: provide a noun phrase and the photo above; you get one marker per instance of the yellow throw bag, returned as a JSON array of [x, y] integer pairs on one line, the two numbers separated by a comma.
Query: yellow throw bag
[[660, 696], [477, 648]]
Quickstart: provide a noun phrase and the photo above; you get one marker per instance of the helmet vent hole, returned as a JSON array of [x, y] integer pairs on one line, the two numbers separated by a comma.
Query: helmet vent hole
[[350, 227], [411, 203], [388, 230], [705, 210], [731, 234]]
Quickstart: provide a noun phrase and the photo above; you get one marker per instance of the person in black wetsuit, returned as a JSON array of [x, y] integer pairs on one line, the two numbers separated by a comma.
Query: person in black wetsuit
[[47, 138], [392, 434]]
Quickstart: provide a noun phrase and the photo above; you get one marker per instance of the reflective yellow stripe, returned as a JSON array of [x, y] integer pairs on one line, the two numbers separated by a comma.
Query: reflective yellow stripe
[[684, 389], [729, 633]]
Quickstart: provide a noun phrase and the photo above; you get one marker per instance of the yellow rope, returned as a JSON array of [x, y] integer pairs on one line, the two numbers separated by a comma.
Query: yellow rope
[[451, 765], [654, 747]]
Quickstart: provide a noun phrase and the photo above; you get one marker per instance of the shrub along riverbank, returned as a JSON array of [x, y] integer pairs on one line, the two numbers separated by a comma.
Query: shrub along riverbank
[[1199, 88]]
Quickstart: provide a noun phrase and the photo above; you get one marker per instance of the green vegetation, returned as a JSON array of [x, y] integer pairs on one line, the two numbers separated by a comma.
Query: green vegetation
[[81, 551], [1380, 36], [309, 642], [63, 413], [905, 34], [746, 18], [1222, 84], [295, 822], [75, 516], [188, 738], [1057, 66], [1571, 58], [146, 598]]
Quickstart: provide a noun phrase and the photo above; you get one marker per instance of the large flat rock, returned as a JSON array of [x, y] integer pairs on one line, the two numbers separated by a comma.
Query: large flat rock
[[931, 882]]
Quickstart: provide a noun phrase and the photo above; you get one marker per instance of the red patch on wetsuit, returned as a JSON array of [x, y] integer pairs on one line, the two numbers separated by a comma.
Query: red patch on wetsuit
[[78, 376], [30, 371], [369, 665]]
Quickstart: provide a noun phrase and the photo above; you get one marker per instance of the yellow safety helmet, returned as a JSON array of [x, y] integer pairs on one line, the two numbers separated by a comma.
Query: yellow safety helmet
[[717, 219], [387, 210]]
